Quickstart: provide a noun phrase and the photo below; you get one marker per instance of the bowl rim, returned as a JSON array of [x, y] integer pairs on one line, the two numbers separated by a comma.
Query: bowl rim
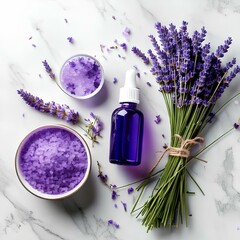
[[59, 82], [36, 192]]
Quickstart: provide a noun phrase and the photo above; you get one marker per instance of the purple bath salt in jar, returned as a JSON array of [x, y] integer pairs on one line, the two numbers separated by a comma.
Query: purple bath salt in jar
[[81, 76], [53, 162]]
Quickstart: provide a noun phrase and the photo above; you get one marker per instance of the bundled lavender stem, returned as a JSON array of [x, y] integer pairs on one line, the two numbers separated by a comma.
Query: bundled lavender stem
[[93, 125], [191, 80]]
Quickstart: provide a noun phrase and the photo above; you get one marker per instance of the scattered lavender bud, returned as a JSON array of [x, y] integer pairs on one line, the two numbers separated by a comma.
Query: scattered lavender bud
[[66, 21], [126, 33], [158, 119], [48, 69], [114, 224], [113, 186], [113, 17], [149, 84], [124, 46], [114, 195], [34, 45], [102, 177], [40, 76], [138, 75], [70, 39], [236, 126], [163, 135], [115, 205], [124, 206], [165, 146], [115, 80], [116, 41], [130, 190], [30, 38]]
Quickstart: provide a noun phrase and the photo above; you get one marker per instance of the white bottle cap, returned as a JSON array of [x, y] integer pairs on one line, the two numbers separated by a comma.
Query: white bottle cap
[[129, 92]]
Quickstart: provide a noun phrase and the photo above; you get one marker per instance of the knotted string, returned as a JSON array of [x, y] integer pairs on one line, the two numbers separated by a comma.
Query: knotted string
[[182, 151]]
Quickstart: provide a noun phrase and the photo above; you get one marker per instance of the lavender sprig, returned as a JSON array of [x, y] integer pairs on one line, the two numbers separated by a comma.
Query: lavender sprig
[[140, 54], [64, 112], [48, 69]]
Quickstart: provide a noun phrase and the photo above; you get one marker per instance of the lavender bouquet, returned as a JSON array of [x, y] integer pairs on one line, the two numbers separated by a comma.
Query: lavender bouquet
[[191, 80]]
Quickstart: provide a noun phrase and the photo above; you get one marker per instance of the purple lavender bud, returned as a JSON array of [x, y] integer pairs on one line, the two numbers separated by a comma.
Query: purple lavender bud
[[70, 39], [139, 53], [124, 206], [114, 195], [114, 224], [158, 119], [126, 33], [236, 126], [124, 46], [102, 177], [47, 67], [130, 190], [115, 80]]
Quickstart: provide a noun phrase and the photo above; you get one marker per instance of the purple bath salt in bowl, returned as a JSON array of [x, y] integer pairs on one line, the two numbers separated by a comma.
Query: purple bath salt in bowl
[[81, 76], [53, 162]]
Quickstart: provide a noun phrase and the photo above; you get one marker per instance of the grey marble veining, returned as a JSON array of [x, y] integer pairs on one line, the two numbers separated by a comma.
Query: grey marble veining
[[231, 199]]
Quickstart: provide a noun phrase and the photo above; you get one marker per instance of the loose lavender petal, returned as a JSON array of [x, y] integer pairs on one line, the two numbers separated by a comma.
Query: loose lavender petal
[[113, 223], [70, 39], [158, 119], [115, 80], [124, 46], [236, 126], [126, 33], [124, 206], [130, 190], [114, 195]]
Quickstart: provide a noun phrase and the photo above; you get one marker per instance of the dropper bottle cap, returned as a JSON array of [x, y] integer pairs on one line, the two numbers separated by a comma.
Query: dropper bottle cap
[[129, 92]]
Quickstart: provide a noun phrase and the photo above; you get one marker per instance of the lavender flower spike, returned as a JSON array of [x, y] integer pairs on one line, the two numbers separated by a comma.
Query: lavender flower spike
[[48, 69], [57, 110], [140, 54]]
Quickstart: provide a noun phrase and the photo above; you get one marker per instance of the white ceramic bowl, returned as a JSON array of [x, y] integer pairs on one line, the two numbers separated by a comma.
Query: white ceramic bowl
[[29, 162], [76, 77]]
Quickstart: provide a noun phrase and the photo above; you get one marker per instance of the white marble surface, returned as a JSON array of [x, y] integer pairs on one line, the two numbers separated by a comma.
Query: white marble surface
[[84, 216]]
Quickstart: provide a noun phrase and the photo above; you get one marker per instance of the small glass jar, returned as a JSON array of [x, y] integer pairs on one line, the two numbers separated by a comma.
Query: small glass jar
[[81, 76]]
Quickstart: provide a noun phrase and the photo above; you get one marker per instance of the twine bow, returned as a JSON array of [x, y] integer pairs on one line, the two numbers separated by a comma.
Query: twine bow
[[182, 151]]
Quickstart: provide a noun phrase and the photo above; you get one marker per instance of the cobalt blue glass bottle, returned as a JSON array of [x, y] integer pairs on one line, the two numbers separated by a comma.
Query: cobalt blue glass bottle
[[127, 125]]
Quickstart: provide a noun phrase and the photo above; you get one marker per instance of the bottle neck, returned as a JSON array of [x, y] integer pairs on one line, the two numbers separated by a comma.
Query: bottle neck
[[128, 105]]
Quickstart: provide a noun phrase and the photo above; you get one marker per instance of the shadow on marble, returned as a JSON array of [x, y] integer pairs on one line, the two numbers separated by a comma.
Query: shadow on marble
[[98, 99], [83, 198]]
